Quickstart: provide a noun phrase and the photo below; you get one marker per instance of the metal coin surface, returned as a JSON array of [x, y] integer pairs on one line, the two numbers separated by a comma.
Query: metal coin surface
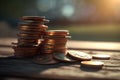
[[35, 18], [63, 57], [57, 37], [45, 59], [57, 32], [29, 32], [92, 64], [28, 35], [101, 56], [79, 55]]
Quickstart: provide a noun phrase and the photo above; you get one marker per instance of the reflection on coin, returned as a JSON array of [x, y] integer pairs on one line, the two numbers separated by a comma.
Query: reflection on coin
[[25, 51], [35, 18], [57, 32], [24, 45], [92, 64], [45, 59], [79, 55], [63, 57], [28, 32], [101, 56], [54, 37], [30, 35]]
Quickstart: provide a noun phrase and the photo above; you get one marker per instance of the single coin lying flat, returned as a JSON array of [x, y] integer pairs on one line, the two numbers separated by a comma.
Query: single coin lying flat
[[92, 64], [79, 55], [101, 56], [63, 57]]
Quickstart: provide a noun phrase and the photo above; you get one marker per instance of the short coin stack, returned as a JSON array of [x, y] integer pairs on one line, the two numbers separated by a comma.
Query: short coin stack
[[53, 42], [31, 31]]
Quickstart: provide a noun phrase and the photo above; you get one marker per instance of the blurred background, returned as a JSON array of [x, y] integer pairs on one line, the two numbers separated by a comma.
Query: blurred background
[[87, 20]]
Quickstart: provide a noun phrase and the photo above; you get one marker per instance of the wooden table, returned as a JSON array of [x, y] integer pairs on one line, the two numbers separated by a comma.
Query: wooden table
[[14, 68]]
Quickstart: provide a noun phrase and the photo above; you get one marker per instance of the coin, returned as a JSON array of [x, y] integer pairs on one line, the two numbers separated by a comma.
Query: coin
[[101, 56], [92, 64], [52, 43], [35, 27], [23, 44], [63, 57], [32, 25], [28, 35], [27, 40], [35, 18], [25, 51], [29, 32], [79, 55], [55, 41], [45, 59], [57, 32], [54, 37]]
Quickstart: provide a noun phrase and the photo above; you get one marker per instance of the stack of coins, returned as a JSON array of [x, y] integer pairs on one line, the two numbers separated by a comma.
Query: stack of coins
[[31, 30], [54, 41]]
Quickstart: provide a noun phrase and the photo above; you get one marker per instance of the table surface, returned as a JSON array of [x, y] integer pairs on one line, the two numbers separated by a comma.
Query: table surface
[[11, 67]]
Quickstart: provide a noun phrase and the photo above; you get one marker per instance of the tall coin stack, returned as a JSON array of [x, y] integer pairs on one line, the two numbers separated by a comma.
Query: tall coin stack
[[31, 30]]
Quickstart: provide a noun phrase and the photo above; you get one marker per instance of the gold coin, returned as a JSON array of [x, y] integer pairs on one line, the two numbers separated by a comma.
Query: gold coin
[[92, 64], [53, 44], [25, 51], [27, 41], [29, 32], [28, 35], [55, 47], [23, 44], [29, 48], [35, 18], [57, 32], [27, 38], [56, 37], [56, 40], [39, 27], [34, 30], [79, 55], [45, 59], [101, 56], [35, 25], [63, 57]]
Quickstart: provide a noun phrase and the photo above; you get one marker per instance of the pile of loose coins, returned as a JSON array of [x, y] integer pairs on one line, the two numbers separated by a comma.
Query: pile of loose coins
[[49, 46]]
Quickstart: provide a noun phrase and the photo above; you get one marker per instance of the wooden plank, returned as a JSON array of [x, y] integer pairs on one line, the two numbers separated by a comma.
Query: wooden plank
[[71, 71], [98, 46]]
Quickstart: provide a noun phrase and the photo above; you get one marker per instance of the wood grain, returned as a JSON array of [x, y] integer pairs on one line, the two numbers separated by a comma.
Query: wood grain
[[72, 71], [26, 68]]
